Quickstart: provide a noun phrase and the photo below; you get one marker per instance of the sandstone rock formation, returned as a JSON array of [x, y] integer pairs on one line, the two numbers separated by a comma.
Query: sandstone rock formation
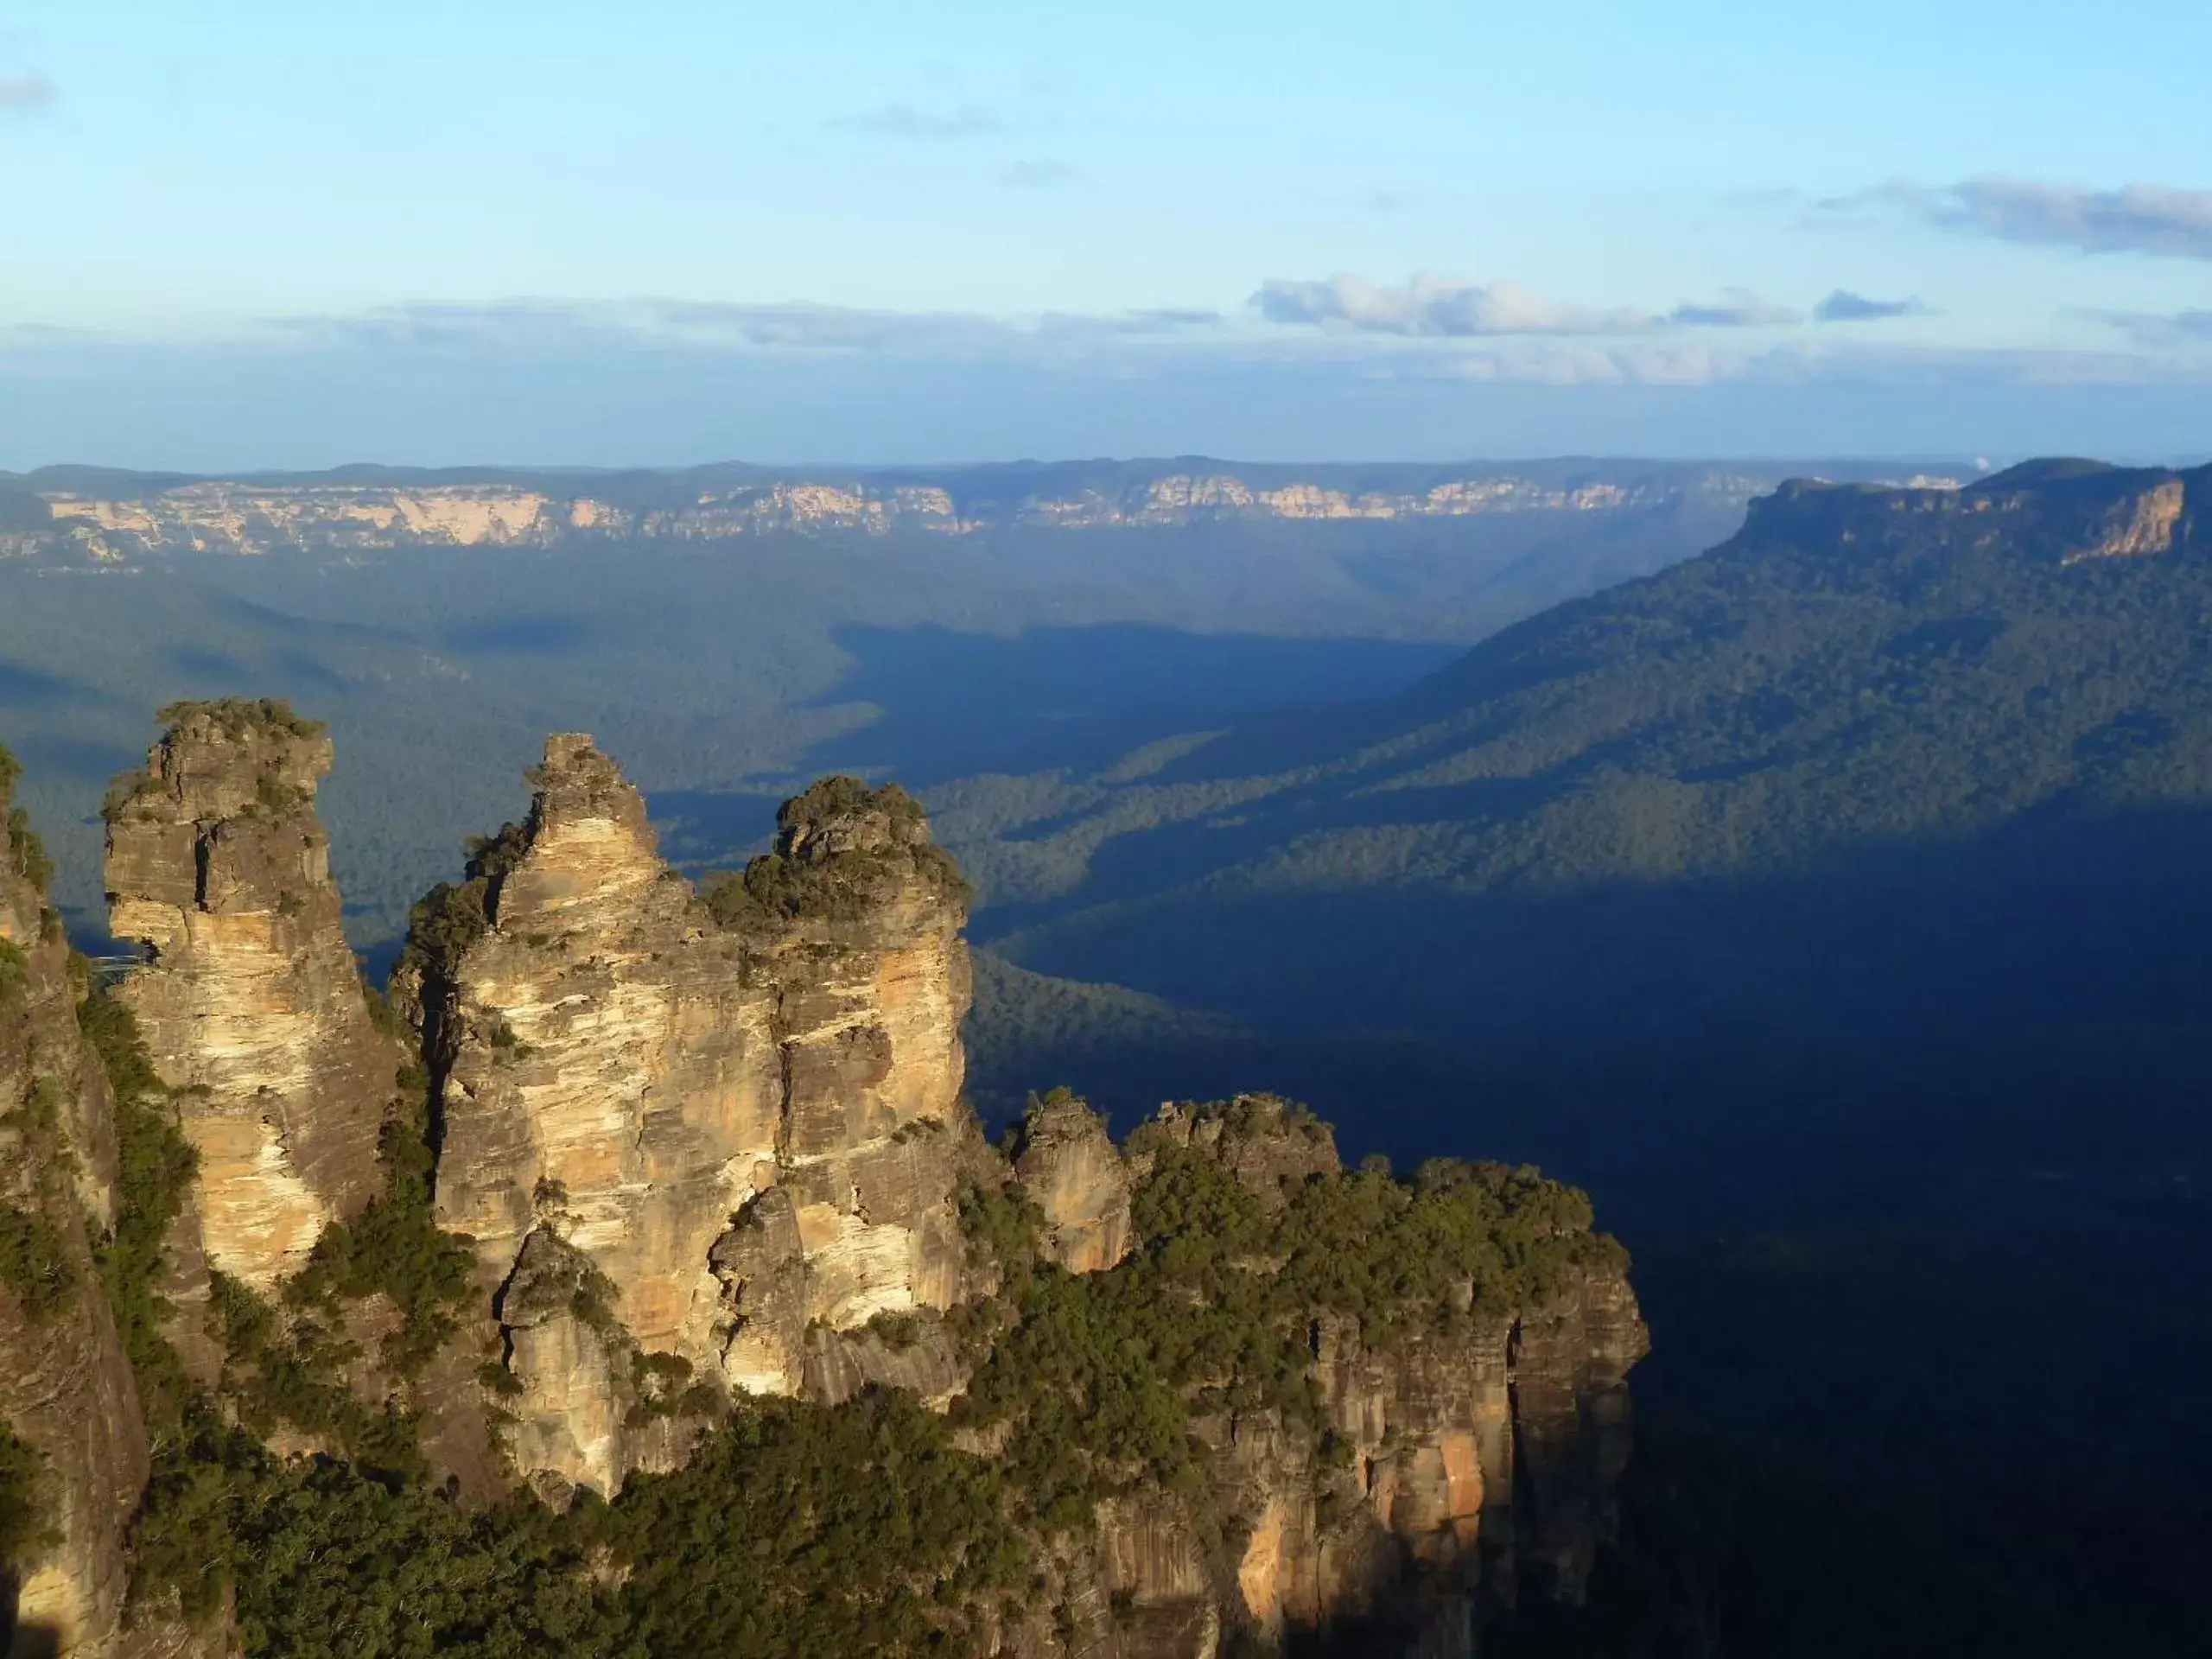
[[250, 1003], [707, 1143], [225, 515], [1469, 1468], [73, 1444], [739, 1114], [1070, 1167]]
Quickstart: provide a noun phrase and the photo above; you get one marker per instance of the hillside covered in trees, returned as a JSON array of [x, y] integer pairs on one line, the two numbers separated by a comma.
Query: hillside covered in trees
[[1833, 906]]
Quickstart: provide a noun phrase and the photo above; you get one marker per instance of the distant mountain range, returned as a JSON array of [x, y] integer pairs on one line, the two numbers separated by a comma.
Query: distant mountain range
[[104, 514]]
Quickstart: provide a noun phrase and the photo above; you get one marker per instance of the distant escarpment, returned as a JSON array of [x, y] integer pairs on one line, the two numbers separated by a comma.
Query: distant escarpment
[[641, 1281], [123, 516]]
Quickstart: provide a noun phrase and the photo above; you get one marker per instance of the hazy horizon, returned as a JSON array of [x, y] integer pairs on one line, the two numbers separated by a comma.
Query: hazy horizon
[[864, 465], [977, 232]]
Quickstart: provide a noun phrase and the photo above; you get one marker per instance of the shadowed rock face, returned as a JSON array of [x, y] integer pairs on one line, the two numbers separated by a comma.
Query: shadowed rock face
[[746, 1125], [250, 1000], [66, 1391]]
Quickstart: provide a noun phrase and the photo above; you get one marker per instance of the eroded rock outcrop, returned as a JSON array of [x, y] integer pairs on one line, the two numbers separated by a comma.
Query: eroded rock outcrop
[[1460, 1464], [705, 1143], [73, 1441], [1071, 1170], [250, 1000], [741, 1111]]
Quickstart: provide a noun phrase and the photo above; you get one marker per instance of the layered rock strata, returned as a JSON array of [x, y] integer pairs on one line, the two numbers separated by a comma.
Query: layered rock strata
[[251, 1004], [233, 517], [734, 1118]]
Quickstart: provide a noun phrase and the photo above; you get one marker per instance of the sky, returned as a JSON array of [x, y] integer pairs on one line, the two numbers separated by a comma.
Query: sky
[[252, 235]]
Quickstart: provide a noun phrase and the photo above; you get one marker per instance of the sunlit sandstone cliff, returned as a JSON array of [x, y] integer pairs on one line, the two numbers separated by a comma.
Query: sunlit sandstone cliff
[[710, 1126], [706, 1143], [226, 517], [249, 1000]]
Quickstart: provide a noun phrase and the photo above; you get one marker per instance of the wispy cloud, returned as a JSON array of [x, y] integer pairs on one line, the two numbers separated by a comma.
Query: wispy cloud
[[1429, 306], [1435, 307], [2153, 218], [1037, 176], [26, 93], [538, 325], [1844, 305], [1736, 308], [2161, 331], [907, 121]]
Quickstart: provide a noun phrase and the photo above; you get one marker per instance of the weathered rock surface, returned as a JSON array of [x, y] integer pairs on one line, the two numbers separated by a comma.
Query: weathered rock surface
[[706, 1142], [250, 1000], [1071, 1170], [1469, 1469], [66, 1391], [225, 516], [746, 1125]]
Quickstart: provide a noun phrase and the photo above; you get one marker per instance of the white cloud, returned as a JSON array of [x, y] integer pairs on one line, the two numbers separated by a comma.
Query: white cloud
[[1435, 306]]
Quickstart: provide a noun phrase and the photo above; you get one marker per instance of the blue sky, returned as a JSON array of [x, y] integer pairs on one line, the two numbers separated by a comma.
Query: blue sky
[[257, 234]]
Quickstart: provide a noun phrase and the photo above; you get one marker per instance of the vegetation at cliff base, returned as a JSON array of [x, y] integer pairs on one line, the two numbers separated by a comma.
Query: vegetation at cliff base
[[394, 1247], [1100, 1377], [154, 1169], [25, 1525], [27, 854], [866, 1528]]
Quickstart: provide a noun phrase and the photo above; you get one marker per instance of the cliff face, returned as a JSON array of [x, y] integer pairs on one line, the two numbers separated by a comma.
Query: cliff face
[[1464, 1467], [219, 516], [702, 1143], [2050, 511], [728, 1120], [73, 1444], [250, 1000]]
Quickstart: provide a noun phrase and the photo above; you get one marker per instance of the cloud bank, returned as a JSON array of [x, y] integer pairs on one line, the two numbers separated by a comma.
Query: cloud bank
[[1439, 307], [2148, 219], [2162, 331], [1435, 307]]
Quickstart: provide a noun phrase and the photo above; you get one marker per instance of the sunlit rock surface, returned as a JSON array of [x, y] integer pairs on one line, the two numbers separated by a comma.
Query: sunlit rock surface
[[748, 1125], [249, 1000]]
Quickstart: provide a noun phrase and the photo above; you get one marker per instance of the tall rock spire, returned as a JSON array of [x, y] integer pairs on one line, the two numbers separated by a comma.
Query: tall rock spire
[[628, 1072], [249, 1000]]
